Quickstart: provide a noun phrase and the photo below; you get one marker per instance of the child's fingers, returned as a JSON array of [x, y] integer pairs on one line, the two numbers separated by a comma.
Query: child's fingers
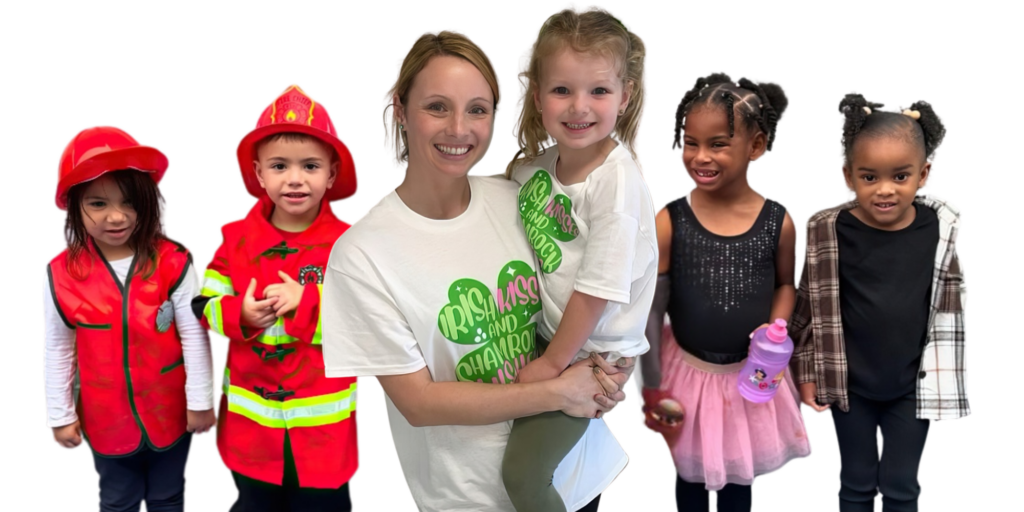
[[285, 277], [607, 384], [250, 291], [603, 364]]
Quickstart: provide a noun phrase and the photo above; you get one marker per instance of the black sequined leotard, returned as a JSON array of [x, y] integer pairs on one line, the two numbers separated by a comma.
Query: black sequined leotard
[[722, 286]]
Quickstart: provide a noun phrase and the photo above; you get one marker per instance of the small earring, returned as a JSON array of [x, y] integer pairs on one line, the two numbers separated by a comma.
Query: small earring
[[622, 112], [401, 127]]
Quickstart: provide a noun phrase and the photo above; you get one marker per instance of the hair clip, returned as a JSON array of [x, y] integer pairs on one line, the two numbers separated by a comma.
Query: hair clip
[[913, 114], [867, 110]]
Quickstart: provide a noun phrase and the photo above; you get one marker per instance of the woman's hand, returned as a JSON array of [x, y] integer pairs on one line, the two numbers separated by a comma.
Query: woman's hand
[[583, 395], [68, 436]]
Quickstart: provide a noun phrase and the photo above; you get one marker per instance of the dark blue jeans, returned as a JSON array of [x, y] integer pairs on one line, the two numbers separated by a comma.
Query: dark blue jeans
[[156, 477]]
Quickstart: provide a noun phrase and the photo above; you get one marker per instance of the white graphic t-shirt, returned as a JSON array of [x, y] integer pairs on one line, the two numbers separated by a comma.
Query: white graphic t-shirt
[[597, 237], [459, 297]]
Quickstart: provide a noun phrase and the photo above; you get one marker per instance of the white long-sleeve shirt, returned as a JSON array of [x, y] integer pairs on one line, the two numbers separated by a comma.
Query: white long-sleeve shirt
[[61, 363]]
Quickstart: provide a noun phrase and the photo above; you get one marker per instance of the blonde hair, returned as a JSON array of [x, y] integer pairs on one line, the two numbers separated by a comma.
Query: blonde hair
[[425, 48], [594, 31]]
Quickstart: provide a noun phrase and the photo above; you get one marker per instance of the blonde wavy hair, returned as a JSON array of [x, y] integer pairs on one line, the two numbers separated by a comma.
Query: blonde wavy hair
[[425, 48], [593, 31]]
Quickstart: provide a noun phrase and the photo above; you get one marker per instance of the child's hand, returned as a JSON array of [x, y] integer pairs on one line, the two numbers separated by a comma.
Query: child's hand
[[539, 369], [68, 436], [762, 326], [257, 313], [200, 422], [662, 415], [808, 391], [750, 347], [288, 293], [623, 366]]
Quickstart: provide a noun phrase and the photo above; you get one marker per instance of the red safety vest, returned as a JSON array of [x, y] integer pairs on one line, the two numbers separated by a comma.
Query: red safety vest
[[274, 382], [130, 365]]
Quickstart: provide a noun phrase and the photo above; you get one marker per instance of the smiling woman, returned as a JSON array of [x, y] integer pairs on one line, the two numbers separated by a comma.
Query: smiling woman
[[434, 292]]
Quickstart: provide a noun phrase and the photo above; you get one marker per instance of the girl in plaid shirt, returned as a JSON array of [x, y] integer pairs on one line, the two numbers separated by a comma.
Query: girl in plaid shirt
[[878, 322], [726, 266]]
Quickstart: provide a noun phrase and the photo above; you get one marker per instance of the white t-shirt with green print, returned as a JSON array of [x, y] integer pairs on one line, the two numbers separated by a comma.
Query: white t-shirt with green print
[[597, 237], [459, 297]]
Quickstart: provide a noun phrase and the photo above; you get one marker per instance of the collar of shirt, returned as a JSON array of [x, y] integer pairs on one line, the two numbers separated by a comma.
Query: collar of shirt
[[261, 235]]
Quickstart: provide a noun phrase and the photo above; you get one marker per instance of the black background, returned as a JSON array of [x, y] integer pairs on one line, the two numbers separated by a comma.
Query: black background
[[196, 99]]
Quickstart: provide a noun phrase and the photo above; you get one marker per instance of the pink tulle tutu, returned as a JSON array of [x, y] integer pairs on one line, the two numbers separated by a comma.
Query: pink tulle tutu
[[724, 439]]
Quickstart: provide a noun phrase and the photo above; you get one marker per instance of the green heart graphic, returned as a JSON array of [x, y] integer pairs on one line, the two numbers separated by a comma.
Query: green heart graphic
[[546, 219], [500, 326]]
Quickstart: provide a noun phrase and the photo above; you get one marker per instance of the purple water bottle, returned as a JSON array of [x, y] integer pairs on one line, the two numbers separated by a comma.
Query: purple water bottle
[[770, 350]]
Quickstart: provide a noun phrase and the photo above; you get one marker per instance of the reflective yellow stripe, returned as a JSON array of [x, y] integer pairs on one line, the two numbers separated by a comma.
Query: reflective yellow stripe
[[275, 335], [214, 315], [301, 412], [319, 334], [215, 284]]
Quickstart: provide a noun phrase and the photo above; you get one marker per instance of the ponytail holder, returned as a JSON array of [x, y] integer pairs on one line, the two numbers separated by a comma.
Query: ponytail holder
[[913, 114], [867, 110]]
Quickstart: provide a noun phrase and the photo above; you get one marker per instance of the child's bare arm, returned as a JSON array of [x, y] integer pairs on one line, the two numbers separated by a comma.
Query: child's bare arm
[[578, 322], [785, 270], [650, 362]]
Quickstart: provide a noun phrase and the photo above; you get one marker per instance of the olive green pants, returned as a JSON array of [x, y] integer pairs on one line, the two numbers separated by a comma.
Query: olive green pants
[[535, 447]]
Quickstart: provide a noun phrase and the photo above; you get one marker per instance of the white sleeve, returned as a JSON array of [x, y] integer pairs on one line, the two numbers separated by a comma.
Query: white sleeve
[[364, 332], [195, 344], [61, 364], [613, 219]]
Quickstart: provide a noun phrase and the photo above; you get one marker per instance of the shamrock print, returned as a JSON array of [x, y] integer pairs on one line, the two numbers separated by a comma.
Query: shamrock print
[[546, 219], [498, 323]]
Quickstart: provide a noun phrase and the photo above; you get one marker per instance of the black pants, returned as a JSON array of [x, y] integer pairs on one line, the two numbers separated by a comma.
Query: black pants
[[157, 477], [693, 497], [864, 474], [258, 496], [592, 506]]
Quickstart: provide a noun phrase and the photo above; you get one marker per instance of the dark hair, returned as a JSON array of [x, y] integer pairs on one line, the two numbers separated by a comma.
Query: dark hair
[[927, 131], [760, 105], [138, 188], [295, 137]]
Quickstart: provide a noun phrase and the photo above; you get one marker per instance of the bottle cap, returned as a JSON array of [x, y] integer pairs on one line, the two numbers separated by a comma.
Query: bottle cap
[[777, 331]]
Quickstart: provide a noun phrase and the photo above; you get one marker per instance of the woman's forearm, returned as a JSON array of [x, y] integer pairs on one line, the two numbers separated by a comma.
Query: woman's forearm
[[424, 402]]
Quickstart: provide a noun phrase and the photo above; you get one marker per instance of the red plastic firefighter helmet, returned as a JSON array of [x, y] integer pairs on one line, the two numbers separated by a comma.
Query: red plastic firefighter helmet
[[96, 151], [294, 112]]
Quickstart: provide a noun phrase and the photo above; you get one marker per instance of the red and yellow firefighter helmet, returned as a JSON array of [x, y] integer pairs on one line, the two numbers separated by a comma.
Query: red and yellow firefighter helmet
[[95, 151], [295, 112]]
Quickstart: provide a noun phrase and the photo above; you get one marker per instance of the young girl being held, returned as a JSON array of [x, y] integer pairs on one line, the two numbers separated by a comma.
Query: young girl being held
[[118, 314], [590, 219], [726, 258]]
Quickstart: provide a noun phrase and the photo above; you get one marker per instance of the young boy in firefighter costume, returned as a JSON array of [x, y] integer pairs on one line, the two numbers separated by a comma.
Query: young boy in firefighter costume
[[286, 431], [118, 314]]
